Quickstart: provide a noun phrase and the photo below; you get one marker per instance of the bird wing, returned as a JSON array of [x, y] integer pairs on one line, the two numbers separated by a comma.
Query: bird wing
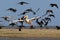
[[34, 18], [14, 21]]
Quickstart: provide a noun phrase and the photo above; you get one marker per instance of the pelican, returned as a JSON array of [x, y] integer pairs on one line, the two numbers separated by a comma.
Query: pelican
[[52, 5], [12, 9], [29, 21], [22, 3]]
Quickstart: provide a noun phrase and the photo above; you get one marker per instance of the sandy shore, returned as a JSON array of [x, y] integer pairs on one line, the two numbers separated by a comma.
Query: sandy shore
[[29, 33]]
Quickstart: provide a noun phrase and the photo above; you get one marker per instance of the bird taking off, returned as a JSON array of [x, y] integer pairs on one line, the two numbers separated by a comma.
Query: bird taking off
[[12, 9], [22, 3], [52, 5]]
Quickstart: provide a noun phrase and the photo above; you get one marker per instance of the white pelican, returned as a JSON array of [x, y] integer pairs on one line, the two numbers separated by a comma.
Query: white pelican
[[29, 21]]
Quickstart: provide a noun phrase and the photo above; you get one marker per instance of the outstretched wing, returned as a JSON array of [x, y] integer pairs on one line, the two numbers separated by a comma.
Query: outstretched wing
[[34, 18]]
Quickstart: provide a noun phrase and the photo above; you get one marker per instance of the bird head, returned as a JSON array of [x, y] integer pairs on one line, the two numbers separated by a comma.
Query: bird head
[[25, 16]]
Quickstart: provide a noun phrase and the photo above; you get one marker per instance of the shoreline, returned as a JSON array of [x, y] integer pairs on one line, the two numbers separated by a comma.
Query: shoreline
[[30, 33]]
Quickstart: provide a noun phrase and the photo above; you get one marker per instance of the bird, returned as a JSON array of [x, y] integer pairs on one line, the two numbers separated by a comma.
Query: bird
[[40, 23], [29, 21], [52, 5], [46, 23], [48, 11], [47, 18], [51, 15], [14, 22], [23, 13], [5, 18], [22, 3], [57, 27], [12, 9], [22, 18], [30, 10], [37, 9]]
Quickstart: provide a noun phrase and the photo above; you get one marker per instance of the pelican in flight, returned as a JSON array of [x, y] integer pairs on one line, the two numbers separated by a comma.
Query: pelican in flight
[[29, 21]]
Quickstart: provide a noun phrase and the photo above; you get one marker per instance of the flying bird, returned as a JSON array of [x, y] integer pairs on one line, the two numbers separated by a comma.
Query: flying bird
[[48, 19], [29, 21], [46, 23], [40, 23], [12, 24], [23, 13], [12, 9], [51, 15], [22, 3], [5, 18], [48, 11], [22, 18], [30, 10], [52, 5]]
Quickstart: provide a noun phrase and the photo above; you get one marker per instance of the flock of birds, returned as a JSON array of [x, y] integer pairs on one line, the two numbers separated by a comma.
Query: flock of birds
[[39, 20]]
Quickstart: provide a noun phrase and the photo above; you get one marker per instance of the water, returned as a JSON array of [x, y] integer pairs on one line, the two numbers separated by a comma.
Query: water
[[11, 38]]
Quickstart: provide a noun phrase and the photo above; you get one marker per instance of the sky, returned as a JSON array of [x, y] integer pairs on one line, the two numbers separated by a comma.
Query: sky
[[34, 4]]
